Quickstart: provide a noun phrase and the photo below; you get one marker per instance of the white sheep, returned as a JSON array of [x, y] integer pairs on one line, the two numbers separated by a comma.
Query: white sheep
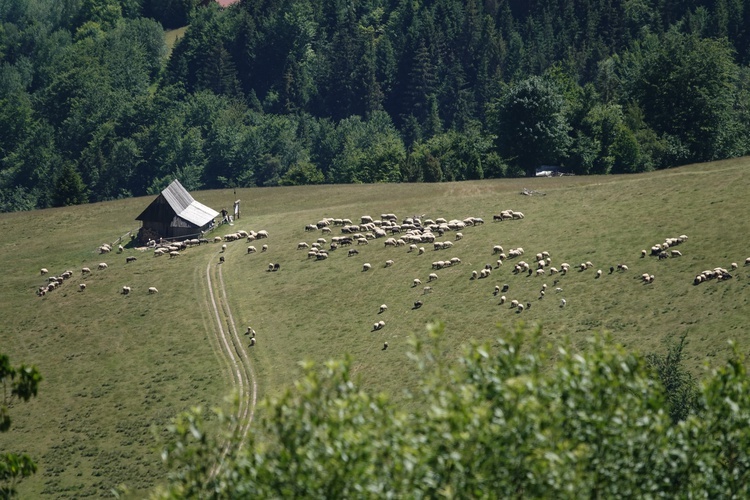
[[82, 286], [102, 266], [382, 309], [120, 249], [302, 245], [251, 249], [217, 239], [497, 290], [264, 248], [125, 290], [250, 331], [252, 342], [389, 263], [513, 304], [152, 289], [497, 249], [223, 248], [385, 346], [85, 270], [520, 308], [459, 236], [474, 275], [539, 272], [747, 261], [643, 253], [366, 266], [733, 266], [563, 302], [412, 247], [381, 324], [598, 274], [432, 277], [676, 253], [261, 234], [43, 271], [173, 254], [416, 282], [502, 299], [421, 251], [426, 290]]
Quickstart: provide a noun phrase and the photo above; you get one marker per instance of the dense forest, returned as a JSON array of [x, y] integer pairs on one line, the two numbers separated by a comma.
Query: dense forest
[[94, 106]]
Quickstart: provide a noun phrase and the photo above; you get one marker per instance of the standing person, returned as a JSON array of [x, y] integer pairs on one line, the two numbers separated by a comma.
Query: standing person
[[224, 219]]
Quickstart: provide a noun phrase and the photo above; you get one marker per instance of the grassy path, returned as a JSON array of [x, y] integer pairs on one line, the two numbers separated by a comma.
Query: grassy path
[[232, 349]]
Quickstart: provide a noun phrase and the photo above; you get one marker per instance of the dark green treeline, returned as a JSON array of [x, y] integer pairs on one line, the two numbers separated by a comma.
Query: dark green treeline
[[280, 92]]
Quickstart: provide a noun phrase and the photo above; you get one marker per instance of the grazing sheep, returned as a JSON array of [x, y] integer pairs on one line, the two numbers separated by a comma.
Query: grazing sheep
[[130, 259], [676, 253], [120, 249], [85, 270], [102, 266], [747, 261], [418, 304], [366, 266], [251, 249], [217, 239], [389, 263], [221, 259], [474, 275], [412, 248], [553, 270], [276, 266], [426, 290], [563, 302], [375, 327], [43, 271], [598, 274], [250, 331], [302, 245], [643, 253], [544, 286], [82, 287], [381, 324], [264, 248], [125, 290], [416, 282], [261, 234], [459, 236], [622, 267], [520, 308], [385, 346], [432, 277], [173, 254], [152, 289], [513, 304], [382, 309], [558, 289], [270, 267], [352, 251], [252, 342], [497, 249], [497, 290], [505, 288], [539, 272], [502, 300], [733, 266]]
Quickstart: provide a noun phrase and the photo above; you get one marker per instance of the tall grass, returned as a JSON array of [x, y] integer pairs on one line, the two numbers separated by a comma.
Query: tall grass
[[117, 366]]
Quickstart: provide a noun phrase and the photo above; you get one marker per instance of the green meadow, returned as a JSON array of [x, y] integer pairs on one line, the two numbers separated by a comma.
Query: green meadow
[[118, 367]]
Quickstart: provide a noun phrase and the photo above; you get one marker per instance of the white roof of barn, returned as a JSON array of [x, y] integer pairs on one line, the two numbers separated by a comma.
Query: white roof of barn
[[185, 205]]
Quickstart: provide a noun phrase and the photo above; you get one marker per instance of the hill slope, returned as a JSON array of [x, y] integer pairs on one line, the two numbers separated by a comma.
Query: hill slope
[[115, 366]]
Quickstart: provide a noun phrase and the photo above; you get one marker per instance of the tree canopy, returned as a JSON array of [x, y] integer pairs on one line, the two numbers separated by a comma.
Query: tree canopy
[[267, 93], [518, 418]]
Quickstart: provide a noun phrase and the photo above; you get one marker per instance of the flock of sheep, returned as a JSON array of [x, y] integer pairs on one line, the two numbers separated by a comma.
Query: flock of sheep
[[412, 234]]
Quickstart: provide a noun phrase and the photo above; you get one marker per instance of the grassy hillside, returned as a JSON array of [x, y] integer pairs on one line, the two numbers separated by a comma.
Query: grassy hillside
[[117, 366]]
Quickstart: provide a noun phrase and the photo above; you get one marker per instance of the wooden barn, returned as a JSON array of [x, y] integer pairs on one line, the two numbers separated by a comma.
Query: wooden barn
[[174, 214]]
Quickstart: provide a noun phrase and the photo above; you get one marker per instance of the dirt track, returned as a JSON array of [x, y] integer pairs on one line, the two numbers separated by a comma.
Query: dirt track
[[232, 349]]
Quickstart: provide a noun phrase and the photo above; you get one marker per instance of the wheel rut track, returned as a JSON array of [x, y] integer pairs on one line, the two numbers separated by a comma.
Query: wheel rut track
[[234, 352]]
